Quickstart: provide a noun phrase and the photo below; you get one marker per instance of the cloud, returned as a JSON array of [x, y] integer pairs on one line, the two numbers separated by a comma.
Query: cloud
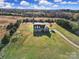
[[69, 2], [1, 0], [55, 5], [45, 2], [42, 4], [6, 5], [38, 7], [24, 3], [57, 0], [20, 7], [1, 3], [45, 7]]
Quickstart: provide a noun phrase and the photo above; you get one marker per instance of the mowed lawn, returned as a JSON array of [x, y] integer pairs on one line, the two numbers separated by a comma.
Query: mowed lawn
[[24, 45], [74, 38]]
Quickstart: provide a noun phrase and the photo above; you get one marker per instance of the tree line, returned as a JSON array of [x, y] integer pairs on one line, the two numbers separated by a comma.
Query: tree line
[[11, 29], [70, 26]]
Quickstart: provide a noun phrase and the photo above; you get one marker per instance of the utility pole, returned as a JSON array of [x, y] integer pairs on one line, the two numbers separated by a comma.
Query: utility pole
[[78, 23], [33, 16]]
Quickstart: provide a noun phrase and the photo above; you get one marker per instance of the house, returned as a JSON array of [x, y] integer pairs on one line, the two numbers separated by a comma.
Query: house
[[40, 27]]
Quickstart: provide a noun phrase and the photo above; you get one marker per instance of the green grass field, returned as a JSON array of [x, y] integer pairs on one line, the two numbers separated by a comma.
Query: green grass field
[[68, 34], [24, 45]]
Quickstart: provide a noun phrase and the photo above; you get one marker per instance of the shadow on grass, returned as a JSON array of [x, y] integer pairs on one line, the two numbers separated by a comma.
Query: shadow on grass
[[70, 30], [69, 26], [38, 34]]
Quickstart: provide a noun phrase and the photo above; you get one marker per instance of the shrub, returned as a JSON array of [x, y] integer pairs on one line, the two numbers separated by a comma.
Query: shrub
[[75, 27], [9, 26], [5, 40]]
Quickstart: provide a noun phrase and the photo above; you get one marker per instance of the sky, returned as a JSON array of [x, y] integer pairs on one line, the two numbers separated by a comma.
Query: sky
[[40, 4]]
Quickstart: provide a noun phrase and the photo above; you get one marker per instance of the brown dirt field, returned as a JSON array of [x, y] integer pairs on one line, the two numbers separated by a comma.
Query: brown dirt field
[[3, 21], [9, 19], [12, 19]]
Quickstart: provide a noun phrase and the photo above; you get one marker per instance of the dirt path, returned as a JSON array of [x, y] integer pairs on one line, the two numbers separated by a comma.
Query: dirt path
[[65, 38]]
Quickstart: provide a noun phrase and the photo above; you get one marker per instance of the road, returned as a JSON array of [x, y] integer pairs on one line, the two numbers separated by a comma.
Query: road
[[66, 39]]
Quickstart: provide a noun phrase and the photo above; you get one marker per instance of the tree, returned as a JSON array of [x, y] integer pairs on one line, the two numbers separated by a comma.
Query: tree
[[9, 26], [75, 17]]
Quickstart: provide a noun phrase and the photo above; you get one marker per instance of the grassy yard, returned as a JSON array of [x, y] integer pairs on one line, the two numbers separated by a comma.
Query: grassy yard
[[68, 34], [26, 46]]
